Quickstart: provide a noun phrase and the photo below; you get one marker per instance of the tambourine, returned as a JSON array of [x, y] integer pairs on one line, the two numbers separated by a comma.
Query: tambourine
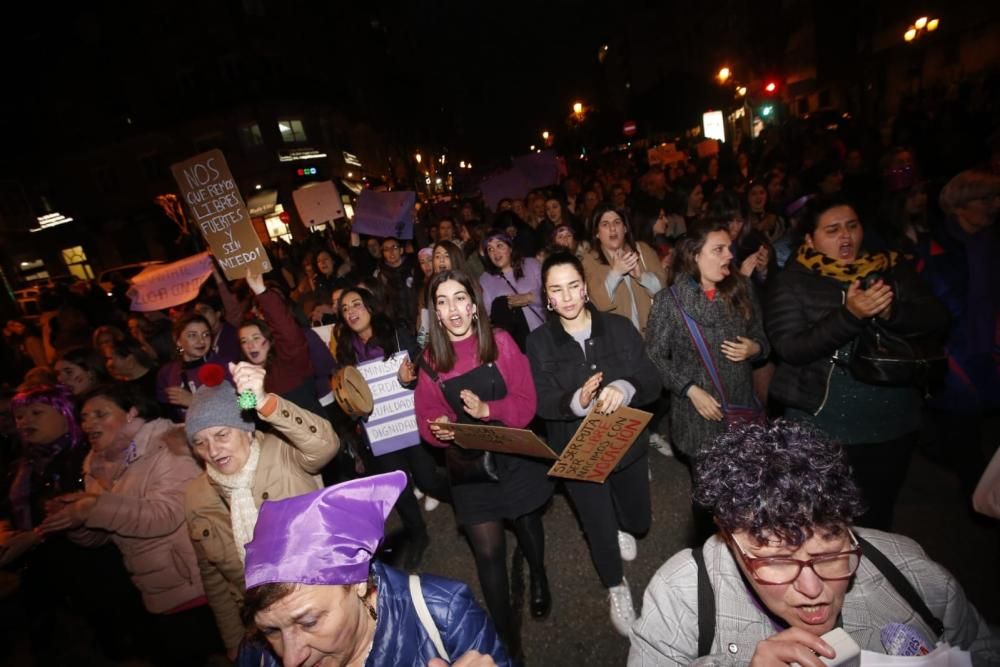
[[352, 392]]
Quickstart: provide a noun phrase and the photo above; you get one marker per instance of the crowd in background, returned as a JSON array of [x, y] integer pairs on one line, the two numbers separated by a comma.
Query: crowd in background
[[731, 288]]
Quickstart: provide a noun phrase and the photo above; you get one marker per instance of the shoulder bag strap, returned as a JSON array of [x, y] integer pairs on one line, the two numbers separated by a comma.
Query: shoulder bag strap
[[699, 343], [901, 584], [706, 605], [424, 614], [431, 373]]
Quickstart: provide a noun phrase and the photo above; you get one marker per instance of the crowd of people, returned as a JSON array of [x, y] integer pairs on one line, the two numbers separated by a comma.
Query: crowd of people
[[789, 325]]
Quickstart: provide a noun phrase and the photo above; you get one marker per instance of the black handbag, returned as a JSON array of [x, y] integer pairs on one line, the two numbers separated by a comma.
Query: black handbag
[[470, 466], [464, 466], [881, 357]]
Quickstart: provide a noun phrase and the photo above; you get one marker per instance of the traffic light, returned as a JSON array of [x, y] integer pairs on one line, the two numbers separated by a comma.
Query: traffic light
[[771, 87]]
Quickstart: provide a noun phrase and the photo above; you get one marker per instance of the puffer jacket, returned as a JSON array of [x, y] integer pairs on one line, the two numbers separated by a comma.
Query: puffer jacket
[[291, 455], [808, 322], [560, 367], [143, 514], [673, 352], [400, 639]]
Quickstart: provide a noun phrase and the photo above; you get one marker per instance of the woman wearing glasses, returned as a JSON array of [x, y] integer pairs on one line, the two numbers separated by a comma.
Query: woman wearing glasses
[[787, 566]]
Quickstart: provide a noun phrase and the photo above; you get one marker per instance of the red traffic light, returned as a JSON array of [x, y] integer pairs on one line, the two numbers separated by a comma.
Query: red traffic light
[[771, 87]]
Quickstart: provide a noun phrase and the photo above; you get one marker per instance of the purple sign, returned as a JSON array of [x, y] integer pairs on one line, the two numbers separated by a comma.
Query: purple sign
[[392, 425], [385, 214], [535, 170]]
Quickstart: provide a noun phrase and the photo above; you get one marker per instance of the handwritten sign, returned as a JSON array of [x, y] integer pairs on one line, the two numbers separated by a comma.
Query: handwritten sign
[[168, 285], [385, 214], [665, 155], [318, 203], [599, 444], [209, 190], [500, 439], [392, 425]]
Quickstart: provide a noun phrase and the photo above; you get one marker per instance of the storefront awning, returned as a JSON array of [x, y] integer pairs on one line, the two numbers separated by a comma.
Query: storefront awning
[[262, 203]]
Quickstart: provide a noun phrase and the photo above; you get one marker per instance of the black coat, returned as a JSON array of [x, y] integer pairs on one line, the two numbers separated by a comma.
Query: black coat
[[560, 367], [808, 322]]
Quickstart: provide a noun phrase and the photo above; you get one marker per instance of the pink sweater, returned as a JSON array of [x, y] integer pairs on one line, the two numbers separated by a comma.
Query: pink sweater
[[515, 410]]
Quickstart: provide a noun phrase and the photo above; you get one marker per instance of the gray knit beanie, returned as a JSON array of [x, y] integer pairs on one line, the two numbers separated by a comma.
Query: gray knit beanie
[[216, 406]]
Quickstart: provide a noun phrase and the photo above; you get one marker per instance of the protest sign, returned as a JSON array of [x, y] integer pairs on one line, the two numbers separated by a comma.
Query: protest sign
[[707, 148], [534, 170], [664, 155], [209, 190], [168, 285], [392, 425], [385, 214], [500, 439], [318, 203], [599, 444]]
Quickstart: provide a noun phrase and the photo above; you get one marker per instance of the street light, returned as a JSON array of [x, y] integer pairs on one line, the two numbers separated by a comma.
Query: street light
[[920, 23], [418, 157], [578, 108], [741, 91], [545, 135], [919, 27], [532, 147], [724, 74], [932, 25]]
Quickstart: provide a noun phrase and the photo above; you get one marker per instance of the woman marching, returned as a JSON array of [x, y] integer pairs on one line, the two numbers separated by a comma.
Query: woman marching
[[473, 375], [584, 358]]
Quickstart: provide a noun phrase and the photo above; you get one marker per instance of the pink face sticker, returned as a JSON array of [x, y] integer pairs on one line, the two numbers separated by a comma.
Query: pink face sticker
[[583, 293], [468, 309]]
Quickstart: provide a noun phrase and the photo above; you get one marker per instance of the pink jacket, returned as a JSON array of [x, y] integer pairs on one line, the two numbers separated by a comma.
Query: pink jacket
[[143, 514]]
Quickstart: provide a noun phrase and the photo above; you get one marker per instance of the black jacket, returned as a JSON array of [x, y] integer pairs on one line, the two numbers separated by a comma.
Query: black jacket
[[560, 367], [807, 321]]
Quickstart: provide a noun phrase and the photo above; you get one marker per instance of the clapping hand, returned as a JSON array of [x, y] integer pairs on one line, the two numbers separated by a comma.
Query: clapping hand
[[589, 389], [865, 303]]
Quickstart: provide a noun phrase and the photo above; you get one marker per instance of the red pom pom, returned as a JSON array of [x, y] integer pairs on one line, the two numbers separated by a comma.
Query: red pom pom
[[211, 375]]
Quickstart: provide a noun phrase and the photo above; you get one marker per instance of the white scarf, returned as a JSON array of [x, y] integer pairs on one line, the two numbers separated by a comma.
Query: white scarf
[[242, 509]]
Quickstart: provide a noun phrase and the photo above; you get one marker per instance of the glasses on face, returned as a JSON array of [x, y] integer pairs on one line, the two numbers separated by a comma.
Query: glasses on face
[[783, 570], [390, 248]]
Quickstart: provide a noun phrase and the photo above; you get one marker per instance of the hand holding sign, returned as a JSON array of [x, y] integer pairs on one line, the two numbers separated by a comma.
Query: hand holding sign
[[610, 399], [440, 432]]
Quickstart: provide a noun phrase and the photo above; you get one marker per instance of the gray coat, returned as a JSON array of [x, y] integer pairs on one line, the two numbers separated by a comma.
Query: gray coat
[[671, 349]]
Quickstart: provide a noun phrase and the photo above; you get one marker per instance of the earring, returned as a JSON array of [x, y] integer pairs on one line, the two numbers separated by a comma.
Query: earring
[[548, 306], [586, 298], [369, 607], [475, 317]]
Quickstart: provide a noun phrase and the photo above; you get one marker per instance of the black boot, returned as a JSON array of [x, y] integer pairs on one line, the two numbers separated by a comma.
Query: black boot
[[541, 599]]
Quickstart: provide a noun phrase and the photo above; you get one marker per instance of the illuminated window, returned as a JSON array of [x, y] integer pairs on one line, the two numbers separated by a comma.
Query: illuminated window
[[291, 130], [276, 227], [250, 135], [76, 262]]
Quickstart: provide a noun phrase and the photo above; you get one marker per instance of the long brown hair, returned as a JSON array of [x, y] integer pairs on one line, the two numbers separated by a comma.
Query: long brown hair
[[733, 289], [440, 352]]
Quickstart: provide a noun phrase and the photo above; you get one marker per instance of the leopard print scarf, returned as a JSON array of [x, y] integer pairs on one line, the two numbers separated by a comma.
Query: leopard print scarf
[[845, 272]]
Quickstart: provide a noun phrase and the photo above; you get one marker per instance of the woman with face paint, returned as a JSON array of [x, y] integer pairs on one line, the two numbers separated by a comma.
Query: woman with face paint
[[622, 276], [583, 360], [177, 380], [471, 374]]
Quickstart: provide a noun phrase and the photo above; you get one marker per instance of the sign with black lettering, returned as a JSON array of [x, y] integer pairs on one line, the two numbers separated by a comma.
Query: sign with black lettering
[[599, 444], [209, 190]]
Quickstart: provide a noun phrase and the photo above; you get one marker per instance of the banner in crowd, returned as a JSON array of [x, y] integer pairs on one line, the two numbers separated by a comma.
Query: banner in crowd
[[535, 170], [209, 190], [500, 439], [599, 444], [318, 203], [392, 425], [168, 285], [665, 155], [385, 214]]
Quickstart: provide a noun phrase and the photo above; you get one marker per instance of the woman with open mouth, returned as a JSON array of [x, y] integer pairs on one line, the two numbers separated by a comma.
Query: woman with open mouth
[[133, 496], [511, 287], [830, 291], [277, 342], [177, 380], [472, 374], [243, 469], [623, 275], [703, 335]]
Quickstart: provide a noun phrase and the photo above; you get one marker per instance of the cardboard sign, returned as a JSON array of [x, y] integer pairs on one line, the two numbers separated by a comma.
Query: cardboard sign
[[665, 155], [707, 148], [318, 203], [217, 209], [385, 214], [599, 444], [168, 285], [500, 439], [392, 425]]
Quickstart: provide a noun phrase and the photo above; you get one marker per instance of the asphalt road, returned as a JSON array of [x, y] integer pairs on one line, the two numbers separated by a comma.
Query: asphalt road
[[578, 631]]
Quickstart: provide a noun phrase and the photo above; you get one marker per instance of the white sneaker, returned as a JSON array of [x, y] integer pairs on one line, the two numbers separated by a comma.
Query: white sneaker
[[660, 444], [627, 545], [622, 611], [418, 493], [431, 504]]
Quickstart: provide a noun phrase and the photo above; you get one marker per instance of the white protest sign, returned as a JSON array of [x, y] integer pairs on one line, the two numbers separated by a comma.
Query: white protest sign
[[392, 424], [169, 285], [318, 203]]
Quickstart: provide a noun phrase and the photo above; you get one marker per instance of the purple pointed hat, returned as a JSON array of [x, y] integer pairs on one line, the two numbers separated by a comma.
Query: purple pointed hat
[[324, 537]]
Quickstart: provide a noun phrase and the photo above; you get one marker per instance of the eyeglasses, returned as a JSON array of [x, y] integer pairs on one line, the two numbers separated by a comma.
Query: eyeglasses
[[781, 570], [390, 248]]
